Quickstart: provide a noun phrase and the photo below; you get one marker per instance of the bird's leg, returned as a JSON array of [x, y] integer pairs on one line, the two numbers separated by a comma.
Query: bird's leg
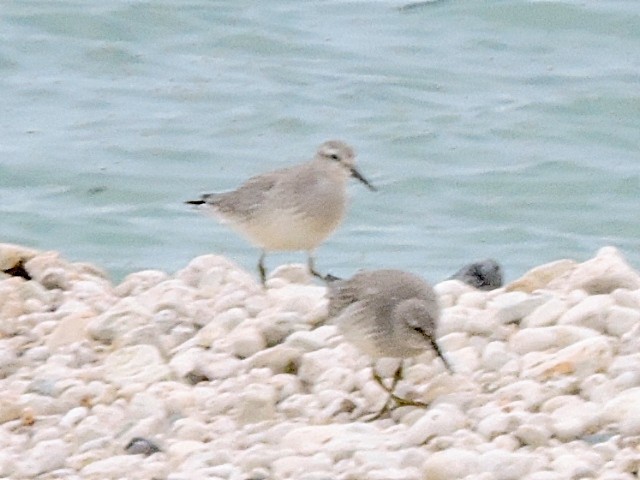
[[396, 378], [312, 268], [385, 407], [400, 401], [261, 269]]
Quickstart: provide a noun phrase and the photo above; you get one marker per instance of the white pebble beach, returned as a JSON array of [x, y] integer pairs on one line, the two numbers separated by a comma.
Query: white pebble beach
[[233, 381]]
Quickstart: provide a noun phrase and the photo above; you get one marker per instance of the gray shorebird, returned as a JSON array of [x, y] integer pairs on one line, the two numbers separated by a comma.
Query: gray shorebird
[[387, 313], [290, 209], [483, 275]]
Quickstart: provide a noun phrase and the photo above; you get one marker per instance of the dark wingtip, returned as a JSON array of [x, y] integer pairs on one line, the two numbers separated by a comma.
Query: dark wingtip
[[194, 202]]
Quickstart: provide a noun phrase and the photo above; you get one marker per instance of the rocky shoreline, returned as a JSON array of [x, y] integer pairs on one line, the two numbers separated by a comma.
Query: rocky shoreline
[[232, 381]]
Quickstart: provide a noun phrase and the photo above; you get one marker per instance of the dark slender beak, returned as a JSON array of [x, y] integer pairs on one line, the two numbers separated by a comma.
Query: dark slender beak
[[356, 174], [435, 346]]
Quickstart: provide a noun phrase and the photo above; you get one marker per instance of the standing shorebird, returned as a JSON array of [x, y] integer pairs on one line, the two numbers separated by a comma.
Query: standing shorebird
[[293, 208], [387, 313]]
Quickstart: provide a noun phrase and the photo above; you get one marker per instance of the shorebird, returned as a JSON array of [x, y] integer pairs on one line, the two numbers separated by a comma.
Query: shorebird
[[387, 313], [483, 275], [290, 209]]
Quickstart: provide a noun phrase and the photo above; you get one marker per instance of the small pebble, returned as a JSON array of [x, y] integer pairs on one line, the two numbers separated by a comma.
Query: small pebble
[[139, 445]]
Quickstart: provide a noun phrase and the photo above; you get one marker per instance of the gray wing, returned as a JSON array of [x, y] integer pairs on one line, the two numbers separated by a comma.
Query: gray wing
[[247, 198], [342, 294]]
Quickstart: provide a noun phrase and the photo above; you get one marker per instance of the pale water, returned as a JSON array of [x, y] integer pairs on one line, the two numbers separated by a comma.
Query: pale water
[[506, 129]]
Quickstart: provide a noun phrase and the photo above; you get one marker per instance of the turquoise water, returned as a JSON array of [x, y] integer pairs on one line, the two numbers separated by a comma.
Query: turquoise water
[[505, 129]]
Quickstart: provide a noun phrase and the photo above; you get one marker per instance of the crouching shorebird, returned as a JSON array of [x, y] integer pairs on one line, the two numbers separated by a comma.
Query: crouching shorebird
[[387, 313], [289, 209]]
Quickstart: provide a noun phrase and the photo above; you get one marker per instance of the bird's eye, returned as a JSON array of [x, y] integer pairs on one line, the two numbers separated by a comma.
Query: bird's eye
[[420, 331], [334, 156]]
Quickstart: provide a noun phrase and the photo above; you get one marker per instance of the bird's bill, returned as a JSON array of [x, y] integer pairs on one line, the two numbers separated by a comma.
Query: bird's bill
[[440, 354], [356, 174]]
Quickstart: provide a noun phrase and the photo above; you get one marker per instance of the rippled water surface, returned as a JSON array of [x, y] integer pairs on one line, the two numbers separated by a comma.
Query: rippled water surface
[[507, 129]]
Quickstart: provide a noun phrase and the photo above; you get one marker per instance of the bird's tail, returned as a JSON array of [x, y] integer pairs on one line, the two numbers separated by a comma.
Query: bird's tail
[[207, 198]]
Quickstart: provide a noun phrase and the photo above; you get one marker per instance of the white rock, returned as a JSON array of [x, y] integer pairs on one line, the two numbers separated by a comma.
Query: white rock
[[335, 379], [170, 294], [603, 274], [49, 270], [626, 380], [74, 416], [44, 457], [512, 307], [621, 320], [473, 299], [440, 420], [206, 267], [294, 466], [481, 322], [190, 429], [246, 341], [529, 392], [234, 298], [72, 328], [181, 450], [626, 298], [95, 293], [314, 339], [507, 442], [135, 364], [276, 327], [9, 360], [546, 314], [11, 255], [136, 283], [623, 413], [117, 466], [506, 465], [7, 463], [590, 313], [186, 362], [454, 288], [123, 317], [453, 341], [497, 424], [451, 464], [545, 475], [393, 474], [454, 319], [279, 359], [293, 273], [582, 359], [313, 364], [533, 434], [230, 319], [494, 356], [464, 360], [256, 403], [573, 466], [539, 277], [574, 417], [336, 438], [545, 338]]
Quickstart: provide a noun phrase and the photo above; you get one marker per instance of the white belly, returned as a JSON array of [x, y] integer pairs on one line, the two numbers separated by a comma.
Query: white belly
[[287, 231]]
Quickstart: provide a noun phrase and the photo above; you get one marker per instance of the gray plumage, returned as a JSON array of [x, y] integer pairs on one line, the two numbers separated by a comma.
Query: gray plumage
[[386, 313], [289, 209], [483, 275]]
